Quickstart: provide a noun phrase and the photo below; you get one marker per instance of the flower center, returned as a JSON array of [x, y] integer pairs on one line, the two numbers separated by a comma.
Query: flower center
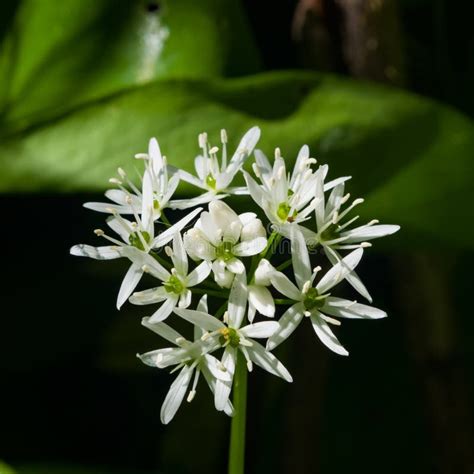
[[330, 233], [283, 212], [156, 204], [313, 300], [174, 285], [211, 181], [224, 251], [230, 336], [136, 241]]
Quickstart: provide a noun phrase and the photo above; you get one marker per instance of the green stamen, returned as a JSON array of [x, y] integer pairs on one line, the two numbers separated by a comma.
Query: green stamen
[[136, 241], [313, 300], [283, 212], [174, 285], [224, 251], [211, 181], [229, 335]]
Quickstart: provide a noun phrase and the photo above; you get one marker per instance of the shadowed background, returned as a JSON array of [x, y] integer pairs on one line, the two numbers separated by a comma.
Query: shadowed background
[[379, 89]]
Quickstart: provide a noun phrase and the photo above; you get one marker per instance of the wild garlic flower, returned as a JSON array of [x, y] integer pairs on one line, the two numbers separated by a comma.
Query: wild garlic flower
[[213, 177], [158, 186], [136, 244], [286, 199], [259, 297], [189, 358], [175, 289], [233, 337], [314, 301], [334, 233], [221, 236]]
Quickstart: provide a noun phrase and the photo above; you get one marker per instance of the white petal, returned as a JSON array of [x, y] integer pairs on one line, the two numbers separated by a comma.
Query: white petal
[[122, 198], [163, 238], [260, 330], [176, 394], [226, 220], [252, 229], [201, 165], [286, 325], [147, 199], [211, 382], [120, 226], [185, 299], [330, 184], [352, 277], [196, 201], [197, 245], [215, 368], [164, 310], [261, 298], [263, 163], [163, 357], [154, 154], [363, 233], [264, 272], [179, 257], [108, 252], [348, 309], [106, 207], [300, 257], [237, 301], [203, 320], [162, 329], [222, 276], [189, 178], [235, 266], [129, 283], [223, 387], [151, 296], [281, 282], [339, 271], [325, 334], [256, 192], [247, 218], [250, 247], [199, 274], [202, 304], [267, 361]]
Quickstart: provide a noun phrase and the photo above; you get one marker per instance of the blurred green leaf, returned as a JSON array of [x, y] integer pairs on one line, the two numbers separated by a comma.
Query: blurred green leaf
[[410, 157], [57, 55], [4, 469]]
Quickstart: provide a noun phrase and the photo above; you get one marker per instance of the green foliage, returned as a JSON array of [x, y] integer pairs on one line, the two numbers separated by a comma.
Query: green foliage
[[58, 55], [4, 469]]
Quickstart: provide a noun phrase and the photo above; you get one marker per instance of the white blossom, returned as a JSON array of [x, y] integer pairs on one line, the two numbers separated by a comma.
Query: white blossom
[[333, 229], [158, 186], [136, 243], [175, 289], [221, 236], [259, 297], [286, 199], [215, 177], [233, 337], [313, 300], [189, 357]]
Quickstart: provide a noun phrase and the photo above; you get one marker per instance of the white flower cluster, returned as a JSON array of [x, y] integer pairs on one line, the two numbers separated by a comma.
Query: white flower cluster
[[233, 259]]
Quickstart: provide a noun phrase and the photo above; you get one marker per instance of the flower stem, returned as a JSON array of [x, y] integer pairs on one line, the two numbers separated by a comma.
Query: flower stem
[[237, 430]]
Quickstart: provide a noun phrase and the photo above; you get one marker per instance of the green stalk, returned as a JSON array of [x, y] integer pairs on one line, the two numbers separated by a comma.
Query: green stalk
[[237, 430]]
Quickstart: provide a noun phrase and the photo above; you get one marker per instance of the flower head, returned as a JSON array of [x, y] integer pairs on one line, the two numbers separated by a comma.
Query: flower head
[[313, 300], [215, 177], [175, 290], [222, 237]]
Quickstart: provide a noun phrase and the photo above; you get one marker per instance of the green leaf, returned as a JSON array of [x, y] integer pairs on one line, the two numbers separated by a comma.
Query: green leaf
[[410, 157], [57, 55], [4, 469]]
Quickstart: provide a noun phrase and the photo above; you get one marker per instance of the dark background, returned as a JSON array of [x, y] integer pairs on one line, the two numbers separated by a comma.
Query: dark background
[[74, 399]]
